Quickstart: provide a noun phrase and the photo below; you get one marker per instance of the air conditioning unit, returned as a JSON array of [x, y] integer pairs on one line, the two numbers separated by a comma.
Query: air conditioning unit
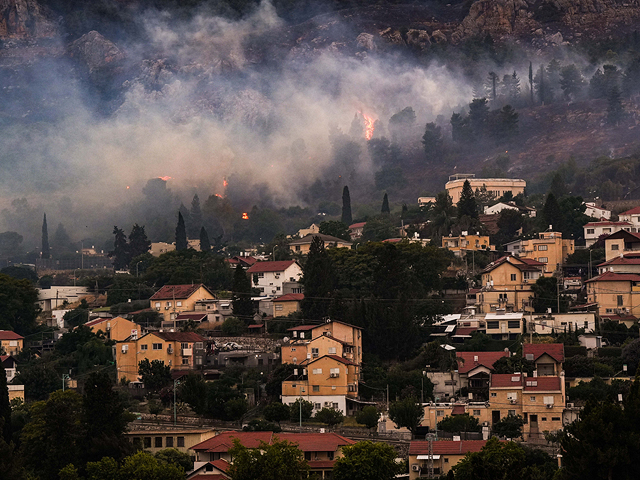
[[550, 406], [334, 375], [415, 468], [167, 308], [125, 349], [169, 349], [570, 405]]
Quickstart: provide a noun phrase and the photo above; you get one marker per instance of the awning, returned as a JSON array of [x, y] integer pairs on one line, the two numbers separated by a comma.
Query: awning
[[426, 457], [450, 328]]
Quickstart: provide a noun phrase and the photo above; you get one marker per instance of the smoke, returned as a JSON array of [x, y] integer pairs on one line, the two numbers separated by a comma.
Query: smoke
[[200, 104]]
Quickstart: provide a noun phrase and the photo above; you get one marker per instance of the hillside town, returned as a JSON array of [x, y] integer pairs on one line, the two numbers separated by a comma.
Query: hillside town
[[484, 323]]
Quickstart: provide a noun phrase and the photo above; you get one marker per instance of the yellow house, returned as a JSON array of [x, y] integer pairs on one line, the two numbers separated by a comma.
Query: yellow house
[[287, 304], [620, 243], [179, 350], [302, 245], [441, 457], [173, 299], [350, 337], [117, 328], [181, 439], [11, 342], [549, 248], [436, 412], [495, 186], [298, 351], [506, 284], [462, 243], [615, 293]]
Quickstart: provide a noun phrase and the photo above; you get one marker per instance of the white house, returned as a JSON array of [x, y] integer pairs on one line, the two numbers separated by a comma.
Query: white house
[[563, 322], [594, 230], [269, 277], [633, 217], [424, 201], [592, 210], [500, 206], [53, 297]]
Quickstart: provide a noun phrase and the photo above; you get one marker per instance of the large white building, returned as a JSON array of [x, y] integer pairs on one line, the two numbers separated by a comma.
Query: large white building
[[269, 277], [592, 210], [594, 230], [633, 217], [495, 186]]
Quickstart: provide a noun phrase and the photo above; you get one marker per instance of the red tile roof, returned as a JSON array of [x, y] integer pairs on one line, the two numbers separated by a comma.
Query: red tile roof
[[531, 261], [554, 350], [604, 224], [633, 211], [615, 277], [257, 325], [464, 331], [179, 336], [209, 476], [316, 442], [357, 225], [192, 316], [262, 267], [220, 464], [223, 442], [9, 335], [307, 442], [626, 260], [486, 359], [457, 410], [446, 447], [542, 384], [321, 464], [302, 327], [179, 292], [336, 358], [290, 297], [501, 380], [97, 321]]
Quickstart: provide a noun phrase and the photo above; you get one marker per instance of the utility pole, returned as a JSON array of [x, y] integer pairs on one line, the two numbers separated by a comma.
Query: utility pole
[[387, 397], [558, 291], [175, 410]]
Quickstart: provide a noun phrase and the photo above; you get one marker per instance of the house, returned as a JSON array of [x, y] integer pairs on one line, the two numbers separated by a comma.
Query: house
[[356, 230], [436, 459], [287, 304], [464, 243], [10, 366], [625, 263], [552, 323], [303, 245], [217, 310], [245, 262], [615, 293], [173, 299], [500, 206], [494, 186], [594, 230], [539, 400], [591, 341], [549, 248], [158, 439], [350, 337], [16, 391], [268, 277], [593, 211], [506, 284], [474, 369], [159, 248], [424, 201], [303, 232], [178, 350], [620, 243], [504, 326], [216, 470], [633, 217], [436, 412], [117, 328], [55, 296], [320, 450], [547, 357], [184, 318], [10, 342]]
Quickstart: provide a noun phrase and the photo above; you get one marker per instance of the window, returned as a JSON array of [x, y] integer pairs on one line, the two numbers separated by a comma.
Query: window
[[317, 371], [614, 247], [335, 406], [260, 362], [512, 412], [493, 394], [548, 400], [543, 248], [185, 361], [476, 413], [555, 419], [143, 347], [147, 442], [157, 304], [301, 334], [586, 325], [198, 360], [180, 441], [307, 456], [513, 277], [169, 442], [330, 457], [178, 304], [316, 388], [137, 443], [199, 346], [439, 413], [157, 346], [314, 352], [590, 231], [544, 419], [279, 307], [297, 248], [513, 323], [533, 399], [168, 304], [606, 230], [446, 460], [332, 350], [157, 442], [543, 259], [293, 349], [493, 325], [184, 346], [620, 300], [261, 275], [317, 406]]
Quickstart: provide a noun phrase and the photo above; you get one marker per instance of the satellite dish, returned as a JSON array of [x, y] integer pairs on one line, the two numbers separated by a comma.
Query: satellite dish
[[285, 339]]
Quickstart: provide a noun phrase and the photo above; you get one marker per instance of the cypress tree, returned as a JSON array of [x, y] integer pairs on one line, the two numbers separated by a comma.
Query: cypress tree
[[347, 219], [551, 213], [241, 298], [138, 242], [195, 216], [385, 204], [45, 238], [531, 81], [467, 204], [181, 234], [5, 407], [318, 282], [120, 252], [205, 244]]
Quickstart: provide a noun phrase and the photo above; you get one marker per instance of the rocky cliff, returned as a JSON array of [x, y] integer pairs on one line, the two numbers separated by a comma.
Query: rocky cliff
[[25, 19]]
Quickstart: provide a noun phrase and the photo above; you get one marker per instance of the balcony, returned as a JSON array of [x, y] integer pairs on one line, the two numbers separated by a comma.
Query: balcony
[[187, 352]]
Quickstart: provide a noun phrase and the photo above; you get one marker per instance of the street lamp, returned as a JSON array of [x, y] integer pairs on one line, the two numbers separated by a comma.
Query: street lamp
[[422, 389]]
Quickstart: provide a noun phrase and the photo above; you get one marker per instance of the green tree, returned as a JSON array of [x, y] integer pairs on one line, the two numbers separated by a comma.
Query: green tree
[[300, 408], [10, 244], [368, 416], [496, 460], [241, 295], [432, 141], [366, 461], [279, 460], [276, 412], [144, 466], [572, 82], [318, 281], [39, 378], [45, 239], [329, 416], [78, 316], [406, 413], [139, 244], [18, 309], [615, 110], [20, 273], [205, 244], [233, 326], [459, 423], [335, 229], [507, 124], [509, 427], [120, 252], [173, 456], [181, 234], [545, 296], [478, 117], [347, 219], [195, 217], [467, 204], [551, 213], [5, 407], [385, 204], [155, 374]]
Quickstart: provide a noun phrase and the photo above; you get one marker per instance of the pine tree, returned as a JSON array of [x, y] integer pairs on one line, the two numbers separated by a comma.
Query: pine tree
[[181, 234], [551, 213], [45, 239], [347, 219], [195, 217], [467, 204], [492, 85], [571, 82], [241, 297], [205, 244], [318, 281], [385, 204], [120, 252], [138, 242], [432, 141], [478, 117], [531, 81], [508, 122]]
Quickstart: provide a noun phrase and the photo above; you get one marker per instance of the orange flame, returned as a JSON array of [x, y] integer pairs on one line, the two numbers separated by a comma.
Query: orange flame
[[127, 187], [166, 179], [225, 184], [245, 216], [218, 195], [368, 126]]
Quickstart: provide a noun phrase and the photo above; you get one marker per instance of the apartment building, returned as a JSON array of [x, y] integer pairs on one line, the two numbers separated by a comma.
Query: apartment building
[[118, 328], [615, 293], [621, 243], [437, 459], [170, 300], [594, 230], [269, 277], [464, 243], [549, 248], [495, 186]]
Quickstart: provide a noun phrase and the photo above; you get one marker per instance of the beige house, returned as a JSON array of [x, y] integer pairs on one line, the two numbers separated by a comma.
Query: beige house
[[158, 248], [464, 243], [615, 293], [118, 328], [10, 342], [495, 186], [549, 248], [181, 439], [633, 217], [349, 336], [173, 299], [621, 243], [287, 304], [303, 245], [594, 230], [442, 456]]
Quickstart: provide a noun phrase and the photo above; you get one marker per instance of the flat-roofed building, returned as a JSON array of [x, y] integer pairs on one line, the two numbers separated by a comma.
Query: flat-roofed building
[[495, 186]]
